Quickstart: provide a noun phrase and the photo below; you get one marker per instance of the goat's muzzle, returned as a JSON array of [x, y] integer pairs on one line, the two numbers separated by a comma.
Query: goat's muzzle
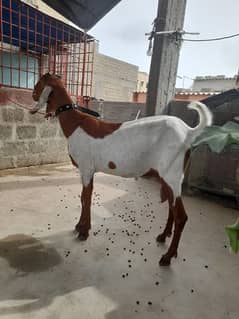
[[41, 100], [35, 96]]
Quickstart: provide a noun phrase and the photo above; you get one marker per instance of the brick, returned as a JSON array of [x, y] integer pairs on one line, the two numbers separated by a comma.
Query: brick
[[56, 147], [26, 131], [48, 130], [12, 115], [56, 151], [35, 147], [7, 162], [5, 132], [13, 148], [36, 118]]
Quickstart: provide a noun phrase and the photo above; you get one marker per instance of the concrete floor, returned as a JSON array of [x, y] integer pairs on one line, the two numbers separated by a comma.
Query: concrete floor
[[45, 272]]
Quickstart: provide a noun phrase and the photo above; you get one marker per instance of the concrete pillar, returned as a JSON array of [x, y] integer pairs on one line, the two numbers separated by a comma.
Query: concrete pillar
[[164, 63]]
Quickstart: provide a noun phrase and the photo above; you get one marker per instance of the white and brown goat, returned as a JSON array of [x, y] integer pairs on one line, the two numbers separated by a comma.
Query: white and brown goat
[[129, 149]]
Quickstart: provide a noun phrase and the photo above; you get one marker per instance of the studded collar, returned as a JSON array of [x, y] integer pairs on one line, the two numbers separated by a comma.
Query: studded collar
[[66, 107]]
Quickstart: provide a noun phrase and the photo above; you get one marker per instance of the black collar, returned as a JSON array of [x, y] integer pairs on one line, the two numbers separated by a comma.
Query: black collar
[[66, 107]]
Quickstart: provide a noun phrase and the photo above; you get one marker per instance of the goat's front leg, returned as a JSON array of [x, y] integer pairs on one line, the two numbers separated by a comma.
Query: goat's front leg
[[84, 223], [180, 218], [166, 194]]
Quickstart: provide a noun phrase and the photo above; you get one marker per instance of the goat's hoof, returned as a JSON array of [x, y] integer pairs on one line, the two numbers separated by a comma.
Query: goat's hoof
[[77, 228], [75, 231], [165, 260], [161, 238], [83, 233], [83, 236]]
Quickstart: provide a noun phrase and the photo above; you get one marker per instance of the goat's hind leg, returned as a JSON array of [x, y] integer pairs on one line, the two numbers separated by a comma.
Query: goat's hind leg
[[180, 219], [161, 238], [84, 224]]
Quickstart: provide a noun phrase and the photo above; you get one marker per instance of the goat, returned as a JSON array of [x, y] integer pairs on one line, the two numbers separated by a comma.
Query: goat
[[130, 149]]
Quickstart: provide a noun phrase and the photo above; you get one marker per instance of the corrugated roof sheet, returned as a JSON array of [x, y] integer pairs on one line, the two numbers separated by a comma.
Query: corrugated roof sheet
[[219, 99]]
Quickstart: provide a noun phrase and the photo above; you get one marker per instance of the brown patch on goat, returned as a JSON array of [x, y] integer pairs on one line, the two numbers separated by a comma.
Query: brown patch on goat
[[73, 119], [112, 165]]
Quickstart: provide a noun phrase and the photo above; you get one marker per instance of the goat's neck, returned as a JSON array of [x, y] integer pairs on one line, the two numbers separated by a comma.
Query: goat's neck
[[61, 97], [69, 121]]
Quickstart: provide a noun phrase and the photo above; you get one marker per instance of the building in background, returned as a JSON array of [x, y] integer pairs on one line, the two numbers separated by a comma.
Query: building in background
[[206, 86], [140, 94], [142, 82], [217, 83], [113, 79], [202, 88]]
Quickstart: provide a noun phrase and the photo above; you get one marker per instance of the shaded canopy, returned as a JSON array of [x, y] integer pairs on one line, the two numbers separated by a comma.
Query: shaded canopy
[[84, 13]]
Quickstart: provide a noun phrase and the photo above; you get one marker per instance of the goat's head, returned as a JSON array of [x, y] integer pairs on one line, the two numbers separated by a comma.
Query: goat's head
[[45, 92]]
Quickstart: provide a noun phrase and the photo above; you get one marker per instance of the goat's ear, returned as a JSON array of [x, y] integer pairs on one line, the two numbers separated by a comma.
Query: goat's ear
[[52, 75], [47, 75]]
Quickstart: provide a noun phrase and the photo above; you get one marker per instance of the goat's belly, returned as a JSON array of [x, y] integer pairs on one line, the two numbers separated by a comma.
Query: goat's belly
[[122, 168]]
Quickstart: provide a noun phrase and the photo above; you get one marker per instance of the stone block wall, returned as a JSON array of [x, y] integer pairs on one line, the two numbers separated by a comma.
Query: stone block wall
[[26, 139]]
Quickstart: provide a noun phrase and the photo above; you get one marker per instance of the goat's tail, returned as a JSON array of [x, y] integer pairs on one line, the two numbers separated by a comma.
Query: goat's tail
[[205, 119]]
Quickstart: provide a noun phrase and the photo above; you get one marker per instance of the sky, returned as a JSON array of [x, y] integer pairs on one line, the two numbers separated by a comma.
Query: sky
[[121, 34]]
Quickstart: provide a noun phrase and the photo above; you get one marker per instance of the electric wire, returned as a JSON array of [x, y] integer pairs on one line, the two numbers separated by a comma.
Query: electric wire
[[212, 39]]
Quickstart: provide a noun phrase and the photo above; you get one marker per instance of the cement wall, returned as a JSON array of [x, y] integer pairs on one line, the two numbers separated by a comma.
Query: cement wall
[[119, 111]]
